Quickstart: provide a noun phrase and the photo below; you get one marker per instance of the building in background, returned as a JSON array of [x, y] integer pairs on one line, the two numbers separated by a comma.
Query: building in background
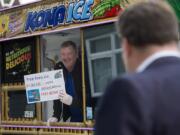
[[12, 3]]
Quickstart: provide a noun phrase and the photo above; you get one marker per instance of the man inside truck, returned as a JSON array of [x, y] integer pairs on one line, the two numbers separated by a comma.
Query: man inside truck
[[70, 101]]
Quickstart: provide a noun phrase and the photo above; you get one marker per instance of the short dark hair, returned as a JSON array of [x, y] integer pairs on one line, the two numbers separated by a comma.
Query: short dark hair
[[148, 23], [69, 44]]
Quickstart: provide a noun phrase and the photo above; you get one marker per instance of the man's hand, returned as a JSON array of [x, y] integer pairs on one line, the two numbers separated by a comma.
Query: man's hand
[[65, 98], [52, 119]]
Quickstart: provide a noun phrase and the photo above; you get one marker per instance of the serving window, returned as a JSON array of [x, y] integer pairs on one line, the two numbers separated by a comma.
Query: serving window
[[98, 47], [50, 50]]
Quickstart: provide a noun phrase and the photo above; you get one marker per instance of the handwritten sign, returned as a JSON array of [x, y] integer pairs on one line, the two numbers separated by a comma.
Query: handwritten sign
[[44, 86]]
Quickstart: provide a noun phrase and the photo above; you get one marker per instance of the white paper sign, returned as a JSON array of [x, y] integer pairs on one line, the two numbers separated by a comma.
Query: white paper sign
[[44, 86]]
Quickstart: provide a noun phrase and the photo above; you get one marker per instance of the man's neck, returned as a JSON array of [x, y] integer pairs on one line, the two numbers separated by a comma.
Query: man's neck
[[142, 55]]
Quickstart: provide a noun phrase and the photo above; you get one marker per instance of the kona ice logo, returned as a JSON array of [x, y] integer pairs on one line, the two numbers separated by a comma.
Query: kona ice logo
[[75, 12]]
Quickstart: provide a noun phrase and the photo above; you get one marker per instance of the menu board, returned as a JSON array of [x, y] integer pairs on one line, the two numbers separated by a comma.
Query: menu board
[[18, 57]]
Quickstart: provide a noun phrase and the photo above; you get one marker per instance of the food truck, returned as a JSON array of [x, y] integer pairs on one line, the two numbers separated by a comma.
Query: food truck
[[30, 37]]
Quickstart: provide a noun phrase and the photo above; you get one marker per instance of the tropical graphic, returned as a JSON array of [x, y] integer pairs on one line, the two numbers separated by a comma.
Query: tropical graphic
[[106, 8], [110, 8]]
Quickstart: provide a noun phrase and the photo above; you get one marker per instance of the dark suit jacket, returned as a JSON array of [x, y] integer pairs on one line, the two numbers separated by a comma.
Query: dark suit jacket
[[145, 103]]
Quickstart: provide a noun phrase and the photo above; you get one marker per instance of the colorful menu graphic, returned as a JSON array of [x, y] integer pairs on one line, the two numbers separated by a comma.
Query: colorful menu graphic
[[16, 23], [12, 24], [18, 58], [106, 8], [50, 16]]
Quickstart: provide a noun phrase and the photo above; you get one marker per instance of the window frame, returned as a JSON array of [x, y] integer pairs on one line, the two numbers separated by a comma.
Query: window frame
[[99, 55]]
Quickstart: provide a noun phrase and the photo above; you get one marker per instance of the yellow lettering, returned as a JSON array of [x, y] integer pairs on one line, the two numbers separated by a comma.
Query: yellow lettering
[[11, 64], [7, 66]]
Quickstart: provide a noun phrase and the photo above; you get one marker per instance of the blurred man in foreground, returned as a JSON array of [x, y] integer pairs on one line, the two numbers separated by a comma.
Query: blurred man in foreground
[[146, 100]]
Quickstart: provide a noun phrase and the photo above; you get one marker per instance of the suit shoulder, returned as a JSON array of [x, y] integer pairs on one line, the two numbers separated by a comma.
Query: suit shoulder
[[126, 79], [139, 78], [121, 83], [128, 83], [121, 89]]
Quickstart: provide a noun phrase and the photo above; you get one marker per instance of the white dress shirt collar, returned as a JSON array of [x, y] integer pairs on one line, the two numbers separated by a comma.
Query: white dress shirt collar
[[156, 56]]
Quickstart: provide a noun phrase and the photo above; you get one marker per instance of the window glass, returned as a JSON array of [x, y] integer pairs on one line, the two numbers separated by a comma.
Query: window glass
[[100, 45], [102, 73], [18, 107], [103, 51], [101, 68]]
